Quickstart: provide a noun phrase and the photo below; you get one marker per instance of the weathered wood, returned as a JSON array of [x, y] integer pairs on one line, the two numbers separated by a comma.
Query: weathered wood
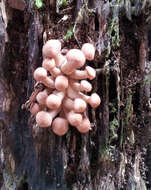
[[112, 155]]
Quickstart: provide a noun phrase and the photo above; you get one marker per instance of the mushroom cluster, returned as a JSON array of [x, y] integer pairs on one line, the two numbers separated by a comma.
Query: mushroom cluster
[[62, 101]]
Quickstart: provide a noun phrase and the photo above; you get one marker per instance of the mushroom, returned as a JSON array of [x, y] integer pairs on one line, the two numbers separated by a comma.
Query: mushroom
[[43, 119], [71, 93], [61, 82], [41, 97], [49, 65], [89, 51], [75, 59], [79, 105], [49, 82], [89, 73], [52, 49], [40, 74], [74, 118], [85, 86], [75, 85], [60, 126], [84, 126], [94, 100], [34, 109], [68, 103], [54, 100]]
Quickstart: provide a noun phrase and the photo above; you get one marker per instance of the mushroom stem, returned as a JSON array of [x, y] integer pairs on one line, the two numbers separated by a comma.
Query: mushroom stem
[[75, 85], [71, 93], [75, 59], [89, 73], [94, 100], [49, 82], [54, 113]]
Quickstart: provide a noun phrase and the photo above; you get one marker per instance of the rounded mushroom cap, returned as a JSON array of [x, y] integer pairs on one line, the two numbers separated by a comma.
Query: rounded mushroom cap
[[43, 119], [91, 72], [61, 83], [84, 126], [40, 74], [74, 118], [94, 100], [88, 50], [53, 101], [48, 64], [41, 97], [76, 58], [79, 105], [51, 48], [34, 109], [68, 103], [60, 126], [85, 86]]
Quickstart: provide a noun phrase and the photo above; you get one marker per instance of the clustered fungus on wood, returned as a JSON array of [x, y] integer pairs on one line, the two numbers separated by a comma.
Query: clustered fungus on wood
[[62, 100]]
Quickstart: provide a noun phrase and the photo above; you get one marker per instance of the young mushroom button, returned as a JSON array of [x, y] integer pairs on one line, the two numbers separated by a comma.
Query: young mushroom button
[[75, 59]]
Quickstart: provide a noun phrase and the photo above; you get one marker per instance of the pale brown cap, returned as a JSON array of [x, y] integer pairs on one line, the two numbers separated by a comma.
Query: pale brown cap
[[60, 126], [53, 101], [51, 48], [61, 83], [89, 51], [76, 58], [40, 74], [43, 119], [91, 72], [84, 126], [94, 100], [79, 105]]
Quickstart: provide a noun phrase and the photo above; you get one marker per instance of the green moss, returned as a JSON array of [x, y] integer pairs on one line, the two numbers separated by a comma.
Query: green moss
[[39, 3], [62, 3], [69, 33]]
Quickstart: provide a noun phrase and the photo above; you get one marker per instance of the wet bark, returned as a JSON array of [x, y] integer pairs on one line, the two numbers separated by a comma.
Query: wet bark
[[116, 154]]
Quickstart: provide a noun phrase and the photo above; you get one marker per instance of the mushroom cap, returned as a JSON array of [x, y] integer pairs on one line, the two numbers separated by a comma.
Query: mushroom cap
[[85, 86], [51, 48], [79, 105], [53, 101], [94, 100], [34, 109], [40, 74], [84, 126], [91, 72], [41, 97], [68, 103], [48, 64], [88, 50], [43, 119], [74, 118], [60, 126], [76, 58], [61, 83]]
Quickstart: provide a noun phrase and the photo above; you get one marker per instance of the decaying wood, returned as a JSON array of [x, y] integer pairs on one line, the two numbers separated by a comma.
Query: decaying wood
[[112, 155]]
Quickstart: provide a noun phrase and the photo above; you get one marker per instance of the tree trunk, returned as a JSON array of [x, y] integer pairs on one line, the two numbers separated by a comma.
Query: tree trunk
[[116, 153]]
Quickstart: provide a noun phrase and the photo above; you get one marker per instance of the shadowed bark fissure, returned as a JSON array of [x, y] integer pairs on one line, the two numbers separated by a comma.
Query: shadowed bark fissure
[[113, 154]]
